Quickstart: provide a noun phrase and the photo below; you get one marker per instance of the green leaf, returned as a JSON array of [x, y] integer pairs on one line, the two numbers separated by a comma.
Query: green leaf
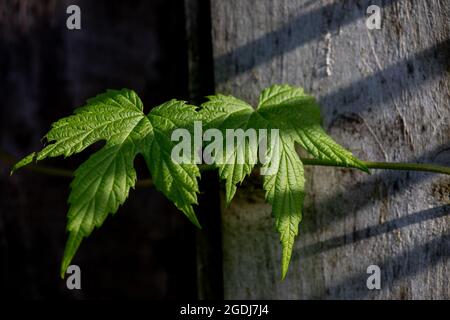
[[102, 183], [112, 114], [223, 113], [285, 191], [177, 181], [297, 117]]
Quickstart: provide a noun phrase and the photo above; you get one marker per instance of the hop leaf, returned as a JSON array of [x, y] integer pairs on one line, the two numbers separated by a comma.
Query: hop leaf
[[228, 113], [297, 117], [102, 183]]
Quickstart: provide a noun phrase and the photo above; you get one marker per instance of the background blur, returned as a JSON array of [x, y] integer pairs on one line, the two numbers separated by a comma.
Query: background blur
[[148, 248]]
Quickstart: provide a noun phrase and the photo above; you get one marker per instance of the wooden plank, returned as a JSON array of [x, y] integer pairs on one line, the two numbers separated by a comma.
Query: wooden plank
[[201, 84], [385, 96]]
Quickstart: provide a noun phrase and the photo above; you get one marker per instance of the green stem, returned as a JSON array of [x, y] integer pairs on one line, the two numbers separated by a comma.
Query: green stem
[[386, 165], [408, 166], [9, 161]]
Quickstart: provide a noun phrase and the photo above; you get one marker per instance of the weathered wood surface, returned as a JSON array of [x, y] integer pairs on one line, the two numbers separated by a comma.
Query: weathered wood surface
[[384, 95]]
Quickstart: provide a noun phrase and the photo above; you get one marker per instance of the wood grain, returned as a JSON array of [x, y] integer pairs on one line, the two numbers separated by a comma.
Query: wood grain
[[384, 95]]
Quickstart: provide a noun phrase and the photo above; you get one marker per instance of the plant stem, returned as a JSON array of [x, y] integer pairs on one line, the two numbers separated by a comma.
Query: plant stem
[[386, 165], [9, 161]]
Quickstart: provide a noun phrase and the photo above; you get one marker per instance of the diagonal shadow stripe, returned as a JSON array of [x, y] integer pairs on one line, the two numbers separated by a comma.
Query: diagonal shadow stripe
[[436, 58], [269, 46], [373, 231], [338, 206], [393, 269]]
